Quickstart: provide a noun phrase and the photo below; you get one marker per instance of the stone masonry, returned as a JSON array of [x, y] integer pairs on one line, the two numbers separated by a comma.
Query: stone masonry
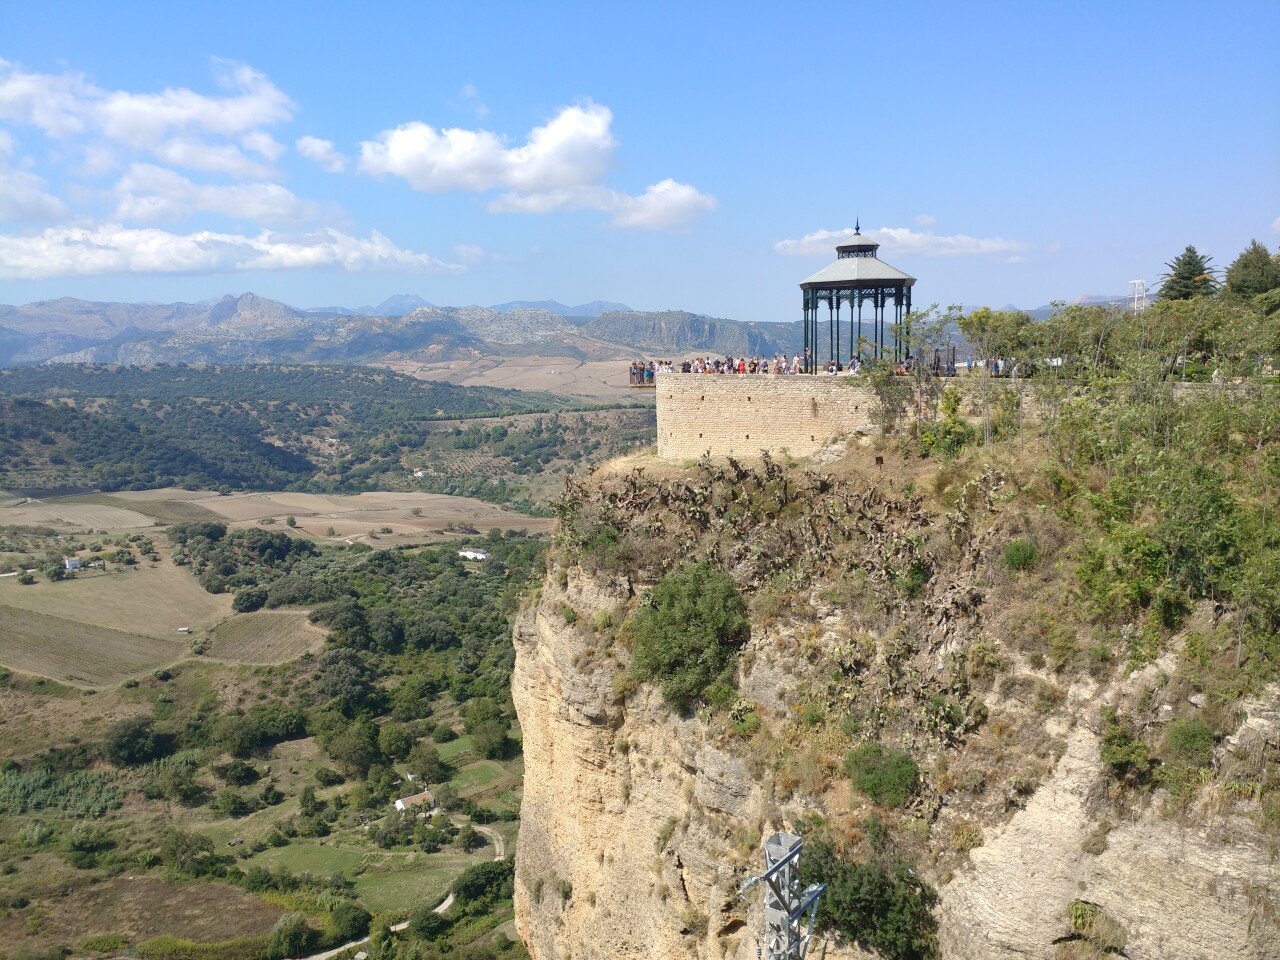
[[727, 415]]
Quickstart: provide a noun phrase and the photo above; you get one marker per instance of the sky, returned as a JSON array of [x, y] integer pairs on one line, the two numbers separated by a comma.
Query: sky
[[698, 156]]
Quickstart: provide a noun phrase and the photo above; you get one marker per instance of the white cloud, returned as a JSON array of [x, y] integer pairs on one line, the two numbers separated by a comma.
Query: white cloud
[[22, 194], [152, 194], [902, 240], [574, 148], [176, 124], [469, 253], [662, 206], [322, 152], [1275, 224], [560, 166], [926, 220], [470, 96], [114, 249]]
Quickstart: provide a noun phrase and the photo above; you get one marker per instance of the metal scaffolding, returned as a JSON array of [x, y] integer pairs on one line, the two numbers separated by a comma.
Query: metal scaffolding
[[789, 911]]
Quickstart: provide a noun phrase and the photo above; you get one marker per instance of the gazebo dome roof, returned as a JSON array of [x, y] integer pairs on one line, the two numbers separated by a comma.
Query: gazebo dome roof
[[866, 271], [857, 242]]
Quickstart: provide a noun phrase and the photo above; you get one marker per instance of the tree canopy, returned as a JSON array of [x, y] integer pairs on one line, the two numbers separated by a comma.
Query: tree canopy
[[1189, 276], [1254, 272]]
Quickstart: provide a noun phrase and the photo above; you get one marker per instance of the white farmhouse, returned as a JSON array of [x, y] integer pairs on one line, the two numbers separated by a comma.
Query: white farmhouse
[[470, 554]]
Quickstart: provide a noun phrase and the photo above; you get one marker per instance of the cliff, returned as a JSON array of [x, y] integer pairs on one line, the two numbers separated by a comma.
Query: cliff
[[876, 616]]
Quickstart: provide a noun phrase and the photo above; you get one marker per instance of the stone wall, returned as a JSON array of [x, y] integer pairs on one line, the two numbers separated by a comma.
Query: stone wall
[[742, 415]]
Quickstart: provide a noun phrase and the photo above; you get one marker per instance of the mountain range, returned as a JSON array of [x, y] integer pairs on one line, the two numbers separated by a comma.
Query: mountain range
[[250, 328]]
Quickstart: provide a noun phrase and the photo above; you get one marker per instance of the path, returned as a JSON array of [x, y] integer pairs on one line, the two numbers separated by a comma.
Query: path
[[499, 853], [499, 845]]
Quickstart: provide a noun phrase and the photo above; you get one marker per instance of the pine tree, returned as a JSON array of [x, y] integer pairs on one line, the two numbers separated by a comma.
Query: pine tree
[[1255, 271], [1189, 276]]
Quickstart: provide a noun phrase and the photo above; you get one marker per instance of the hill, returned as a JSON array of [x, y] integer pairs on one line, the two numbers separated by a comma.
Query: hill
[[254, 329]]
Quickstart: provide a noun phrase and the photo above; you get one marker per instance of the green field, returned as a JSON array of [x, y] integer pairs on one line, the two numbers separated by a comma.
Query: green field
[[418, 880], [449, 751], [312, 857], [475, 777]]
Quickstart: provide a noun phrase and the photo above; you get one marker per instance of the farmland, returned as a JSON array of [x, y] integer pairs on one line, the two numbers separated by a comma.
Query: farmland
[[246, 780], [265, 636], [76, 652], [144, 599], [410, 516]]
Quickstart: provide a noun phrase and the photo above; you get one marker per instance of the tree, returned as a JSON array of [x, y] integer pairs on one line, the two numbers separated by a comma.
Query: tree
[[424, 763], [348, 921], [884, 907], [133, 741], [291, 936], [249, 599], [468, 837], [355, 748], [1189, 276], [1254, 272], [188, 853], [395, 740], [688, 633]]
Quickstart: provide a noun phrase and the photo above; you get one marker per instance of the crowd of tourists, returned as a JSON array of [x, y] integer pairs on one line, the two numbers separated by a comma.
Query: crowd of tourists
[[940, 365], [642, 372]]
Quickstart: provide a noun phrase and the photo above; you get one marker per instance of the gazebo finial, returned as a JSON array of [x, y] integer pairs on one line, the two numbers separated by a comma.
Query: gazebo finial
[[857, 227]]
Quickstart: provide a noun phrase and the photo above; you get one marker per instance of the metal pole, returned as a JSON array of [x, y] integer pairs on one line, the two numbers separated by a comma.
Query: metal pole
[[804, 300], [858, 294]]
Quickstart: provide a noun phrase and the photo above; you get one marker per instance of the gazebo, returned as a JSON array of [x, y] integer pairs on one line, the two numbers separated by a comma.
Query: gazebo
[[856, 277]]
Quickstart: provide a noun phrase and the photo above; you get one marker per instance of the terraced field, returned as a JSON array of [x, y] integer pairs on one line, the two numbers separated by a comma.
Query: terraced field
[[265, 636], [78, 653]]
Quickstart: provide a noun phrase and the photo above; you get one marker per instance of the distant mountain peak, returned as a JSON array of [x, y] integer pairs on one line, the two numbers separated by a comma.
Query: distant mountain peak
[[592, 309]]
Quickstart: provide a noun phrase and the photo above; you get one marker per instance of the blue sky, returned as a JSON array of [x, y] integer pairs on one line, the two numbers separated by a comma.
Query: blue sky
[[701, 156]]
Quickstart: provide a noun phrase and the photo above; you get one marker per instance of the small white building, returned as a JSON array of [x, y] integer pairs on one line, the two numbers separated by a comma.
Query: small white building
[[423, 799], [469, 554], [419, 472], [71, 563]]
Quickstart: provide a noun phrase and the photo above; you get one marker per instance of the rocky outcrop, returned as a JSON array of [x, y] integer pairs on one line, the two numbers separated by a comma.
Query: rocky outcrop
[[638, 824], [636, 828]]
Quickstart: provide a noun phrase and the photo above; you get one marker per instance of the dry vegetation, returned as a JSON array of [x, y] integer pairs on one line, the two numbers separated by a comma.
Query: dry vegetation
[[265, 637]]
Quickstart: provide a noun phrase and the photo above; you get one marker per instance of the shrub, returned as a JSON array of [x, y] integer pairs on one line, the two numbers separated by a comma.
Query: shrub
[[1021, 554], [882, 907], [1188, 742], [688, 633], [105, 943], [946, 437], [133, 741], [249, 599], [1123, 753], [885, 774]]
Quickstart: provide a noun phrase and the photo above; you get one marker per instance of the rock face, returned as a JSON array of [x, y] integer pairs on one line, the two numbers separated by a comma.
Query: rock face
[[639, 825], [1195, 894], [627, 845]]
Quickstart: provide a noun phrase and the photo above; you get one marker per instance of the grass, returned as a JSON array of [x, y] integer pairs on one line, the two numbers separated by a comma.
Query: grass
[[144, 600], [452, 749], [417, 880], [301, 855], [265, 637], [75, 652], [476, 776]]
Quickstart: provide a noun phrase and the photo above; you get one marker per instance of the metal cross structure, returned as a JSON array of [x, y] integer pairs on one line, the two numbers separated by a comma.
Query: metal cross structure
[[1139, 295], [789, 911]]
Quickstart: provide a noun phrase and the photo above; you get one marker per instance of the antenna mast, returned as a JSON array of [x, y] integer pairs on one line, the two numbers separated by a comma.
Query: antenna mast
[[789, 911], [1139, 295]]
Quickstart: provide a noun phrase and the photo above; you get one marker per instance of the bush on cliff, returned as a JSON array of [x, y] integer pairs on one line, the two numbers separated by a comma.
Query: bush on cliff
[[885, 774], [883, 907], [687, 636]]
